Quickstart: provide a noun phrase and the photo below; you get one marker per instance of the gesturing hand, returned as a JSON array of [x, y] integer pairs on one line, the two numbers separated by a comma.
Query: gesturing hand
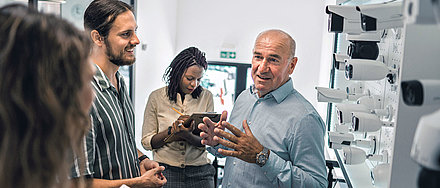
[[147, 164], [208, 127], [245, 145], [152, 178]]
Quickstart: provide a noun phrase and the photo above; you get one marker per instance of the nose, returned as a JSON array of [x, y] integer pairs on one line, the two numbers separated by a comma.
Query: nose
[[135, 39], [263, 67]]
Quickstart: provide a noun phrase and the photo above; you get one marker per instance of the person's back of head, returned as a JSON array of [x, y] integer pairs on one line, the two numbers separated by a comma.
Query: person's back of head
[[101, 14], [41, 120]]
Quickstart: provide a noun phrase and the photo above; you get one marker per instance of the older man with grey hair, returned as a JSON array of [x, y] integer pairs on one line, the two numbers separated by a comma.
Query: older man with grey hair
[[281, 140]]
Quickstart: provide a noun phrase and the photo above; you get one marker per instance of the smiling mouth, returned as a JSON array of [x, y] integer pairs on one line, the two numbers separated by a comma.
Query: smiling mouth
[[263, 78]]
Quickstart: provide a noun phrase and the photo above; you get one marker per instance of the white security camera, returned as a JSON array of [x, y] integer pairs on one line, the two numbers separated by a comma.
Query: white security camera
[[367, 122], [373, 36], [343, 19], [381, 16], [419, 11], [363, 69], [336, 95], [353, 156], [343, 111], [370, 143], [426, 144], [371, 102], [338, 140], [380, 175], [339, 61], [331, 95], [421, 92]]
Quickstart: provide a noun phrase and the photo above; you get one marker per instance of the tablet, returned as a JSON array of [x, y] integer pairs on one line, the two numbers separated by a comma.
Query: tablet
[[198, 118]]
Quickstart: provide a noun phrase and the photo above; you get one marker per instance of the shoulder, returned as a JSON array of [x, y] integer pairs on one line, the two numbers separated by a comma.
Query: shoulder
[[159, 92], [205, 93]]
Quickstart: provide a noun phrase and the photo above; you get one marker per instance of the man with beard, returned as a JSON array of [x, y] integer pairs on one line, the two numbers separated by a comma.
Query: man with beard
[[112, 158]]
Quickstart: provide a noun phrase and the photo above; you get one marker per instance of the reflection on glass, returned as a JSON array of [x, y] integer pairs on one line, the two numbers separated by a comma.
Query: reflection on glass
[[220, 80]]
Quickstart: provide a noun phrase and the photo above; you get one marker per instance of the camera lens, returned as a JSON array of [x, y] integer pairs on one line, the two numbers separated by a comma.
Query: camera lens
[[412, 93], [355, 123], [363, 50], [348, 71]]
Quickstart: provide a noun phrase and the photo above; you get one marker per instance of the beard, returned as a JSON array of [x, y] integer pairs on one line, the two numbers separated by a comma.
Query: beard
[[117, 59]]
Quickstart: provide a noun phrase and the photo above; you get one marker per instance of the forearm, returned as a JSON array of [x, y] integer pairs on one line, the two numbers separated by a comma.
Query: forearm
[[157, 140], [193, 139]]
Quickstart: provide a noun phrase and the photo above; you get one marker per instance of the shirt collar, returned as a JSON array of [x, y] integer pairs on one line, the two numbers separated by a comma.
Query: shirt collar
[[278, 94], [102, 80]]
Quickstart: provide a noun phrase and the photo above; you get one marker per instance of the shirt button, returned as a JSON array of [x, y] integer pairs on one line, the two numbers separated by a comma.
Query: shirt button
[[234, 162], [265, 173], [258, 102], [249, 122], [183, 153]]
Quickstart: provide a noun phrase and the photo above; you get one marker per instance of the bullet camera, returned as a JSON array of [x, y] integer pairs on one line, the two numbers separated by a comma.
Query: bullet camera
[[366, 122], [343, 19], [380, 175], [381, 16], [421, 92], [362, 69], [336, 95], [353, 156], [420, 11], [426, 150], [331, 95], [338, 140], [339, 61], [426, 144], [343, 111]]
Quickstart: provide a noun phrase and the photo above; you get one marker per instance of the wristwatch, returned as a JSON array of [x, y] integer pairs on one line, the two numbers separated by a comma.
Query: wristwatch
[[262, 157], [169, 130]]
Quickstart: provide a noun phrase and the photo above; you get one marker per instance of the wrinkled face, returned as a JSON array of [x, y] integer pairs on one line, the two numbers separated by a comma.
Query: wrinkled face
[[122, 40], [271, 63], [191, 79], [86, 95]]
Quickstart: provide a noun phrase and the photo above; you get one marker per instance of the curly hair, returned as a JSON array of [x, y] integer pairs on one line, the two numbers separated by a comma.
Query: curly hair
[[42, 124], [173, 74]]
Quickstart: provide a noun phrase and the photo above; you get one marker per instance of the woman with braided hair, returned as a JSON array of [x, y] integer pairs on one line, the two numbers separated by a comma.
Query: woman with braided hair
[[175, 146]]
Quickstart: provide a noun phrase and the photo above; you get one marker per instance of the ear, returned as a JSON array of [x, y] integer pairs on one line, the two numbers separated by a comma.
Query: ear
[[292, 64], [97, 38]]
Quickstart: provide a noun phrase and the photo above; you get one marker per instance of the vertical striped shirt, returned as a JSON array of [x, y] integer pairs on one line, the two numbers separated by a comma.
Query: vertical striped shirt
[[110, 148]]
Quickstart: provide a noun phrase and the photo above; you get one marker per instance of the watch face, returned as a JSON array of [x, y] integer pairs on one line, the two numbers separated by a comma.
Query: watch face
[[262, 159]]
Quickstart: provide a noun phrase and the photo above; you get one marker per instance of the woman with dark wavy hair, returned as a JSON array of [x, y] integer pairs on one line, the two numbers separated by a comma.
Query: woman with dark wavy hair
[[45, 96], [182, 154]]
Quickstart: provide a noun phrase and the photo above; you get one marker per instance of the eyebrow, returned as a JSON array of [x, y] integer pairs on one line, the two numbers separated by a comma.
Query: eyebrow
[[271, 55]]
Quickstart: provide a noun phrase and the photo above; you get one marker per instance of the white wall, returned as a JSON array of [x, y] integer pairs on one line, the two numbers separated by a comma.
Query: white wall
[[157, 31], [168, 27]]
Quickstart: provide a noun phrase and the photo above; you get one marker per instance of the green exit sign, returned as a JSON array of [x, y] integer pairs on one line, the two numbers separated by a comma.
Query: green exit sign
[[227, 55]]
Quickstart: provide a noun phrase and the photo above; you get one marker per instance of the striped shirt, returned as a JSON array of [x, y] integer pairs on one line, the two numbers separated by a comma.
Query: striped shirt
[[110, 148]]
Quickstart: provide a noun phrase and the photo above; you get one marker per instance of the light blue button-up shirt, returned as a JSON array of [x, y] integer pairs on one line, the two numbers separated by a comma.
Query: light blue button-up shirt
[[287, 124]]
